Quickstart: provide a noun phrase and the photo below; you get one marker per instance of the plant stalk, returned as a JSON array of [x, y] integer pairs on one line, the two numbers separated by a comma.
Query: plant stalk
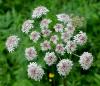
[[64, 82]]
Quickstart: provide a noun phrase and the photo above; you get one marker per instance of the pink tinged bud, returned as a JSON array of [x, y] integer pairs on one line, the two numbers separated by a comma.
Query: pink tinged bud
[[63, 18], [65, 36], [64, 67], [54, 39], [45, 23], [45, 45], [35, 36], [58, 27], [50, 58], [35, 71], [86, 60], [27, 26], [46, 32], [39, 11], [30, 53], [12, 43], [60, 49], [70, 28], [80, 38], [70, 47]]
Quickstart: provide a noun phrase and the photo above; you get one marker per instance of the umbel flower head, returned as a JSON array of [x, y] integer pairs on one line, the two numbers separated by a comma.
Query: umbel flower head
[[64, 67], [54, 43], [60, 49], [63, 18], [50, 58], [54, 39], [45, 45], [70, 47], [65, 36], [12, 42], [35, 71], [58, 27], [70, 28], [45, 32], [30, 53], [35, 36], [27, 26], [80, 38], [86, 60], [39, 11], [45, 23]]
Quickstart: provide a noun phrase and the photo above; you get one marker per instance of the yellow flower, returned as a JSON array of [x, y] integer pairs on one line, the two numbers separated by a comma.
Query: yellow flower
[[51, 75]]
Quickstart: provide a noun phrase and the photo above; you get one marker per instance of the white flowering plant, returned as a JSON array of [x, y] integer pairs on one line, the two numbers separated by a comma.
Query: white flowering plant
[[56, 41]]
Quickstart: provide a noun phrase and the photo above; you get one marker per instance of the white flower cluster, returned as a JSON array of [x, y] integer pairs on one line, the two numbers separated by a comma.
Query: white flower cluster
[[45, 45], [58, 27], [35, 71], [12, 43], [64, 67], [63, 18], [45, 23], [70, 47], [39, 11], [86, 60], [30, 53], [54, 39], [54, 42], [46, 32], [35, 36], [27, 26], [65, 36], [70, 28], [50, 58], [80, 38], [60, 49]]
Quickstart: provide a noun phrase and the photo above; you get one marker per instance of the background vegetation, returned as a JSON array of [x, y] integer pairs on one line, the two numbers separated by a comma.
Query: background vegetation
[[13, 66]]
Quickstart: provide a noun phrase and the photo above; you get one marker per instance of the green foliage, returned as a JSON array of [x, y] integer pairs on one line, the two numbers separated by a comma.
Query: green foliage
[[13, 67]]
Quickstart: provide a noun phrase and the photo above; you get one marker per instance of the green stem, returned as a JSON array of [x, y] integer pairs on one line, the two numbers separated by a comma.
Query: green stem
[[64, 82], [75, 55]]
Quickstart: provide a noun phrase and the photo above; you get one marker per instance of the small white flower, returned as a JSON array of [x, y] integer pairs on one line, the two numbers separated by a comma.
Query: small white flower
[[45, 45], [64, 67], [39, 11], [65, 36], [45, 23], [35, 71], [70, 28], [50, 58], [80, 38], [60, 49], [12, 42], [70, 47], [35, 36], [27, 26], [86, 60], [46, 32], [63, 17], [54, 39], [30, 53], [58, 27]]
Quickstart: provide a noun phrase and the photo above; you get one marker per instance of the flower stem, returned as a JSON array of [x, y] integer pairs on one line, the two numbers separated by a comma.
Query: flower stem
[[64, 82], [75, 55]]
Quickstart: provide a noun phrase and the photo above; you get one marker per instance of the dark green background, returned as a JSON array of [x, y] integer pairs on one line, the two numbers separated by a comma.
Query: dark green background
[[13, 66]]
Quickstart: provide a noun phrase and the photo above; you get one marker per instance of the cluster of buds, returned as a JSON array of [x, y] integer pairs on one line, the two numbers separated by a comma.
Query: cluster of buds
[[54, 42]]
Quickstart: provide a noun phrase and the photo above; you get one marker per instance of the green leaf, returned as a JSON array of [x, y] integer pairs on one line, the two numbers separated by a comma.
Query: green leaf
[[23, 83]]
